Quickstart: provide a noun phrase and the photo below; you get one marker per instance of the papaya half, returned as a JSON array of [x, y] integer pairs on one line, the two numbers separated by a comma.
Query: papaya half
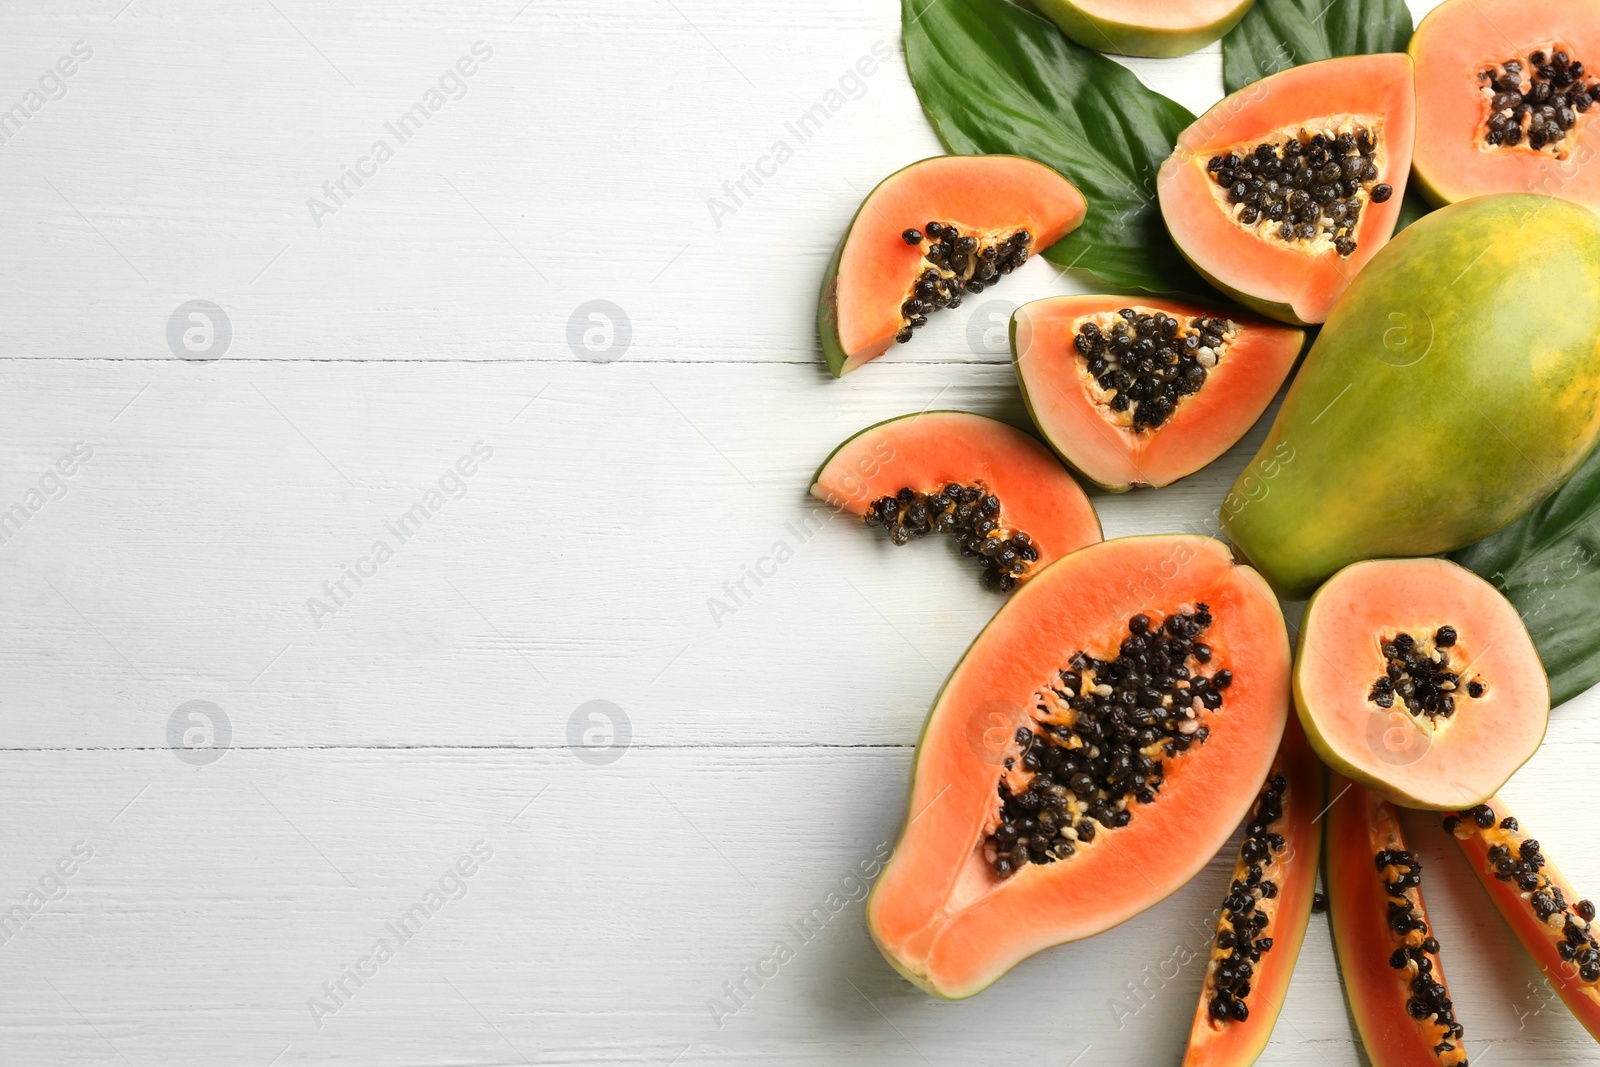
[[999, 492], [1092, 750], [1263, 919], [927, 235], [1505, 100], [1553, 924], [1161, 28], [1418, 679], [1145, 392], [1282, 192], [1388, 956], [1455, 386]]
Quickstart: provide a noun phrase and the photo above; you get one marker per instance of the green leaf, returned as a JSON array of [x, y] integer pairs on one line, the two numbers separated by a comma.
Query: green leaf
[[1548, 565], [994, 78], [1275, 35]]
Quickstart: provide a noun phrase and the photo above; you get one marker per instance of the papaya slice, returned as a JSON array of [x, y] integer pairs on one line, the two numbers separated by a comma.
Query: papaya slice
[[1506, 99], [1137, 393], [1418, 679], [1553, 924], [1001, 494], [1264, 916], [1388, 956], [1161, 28], [929, 234], [1092, 750], [1282, 192]]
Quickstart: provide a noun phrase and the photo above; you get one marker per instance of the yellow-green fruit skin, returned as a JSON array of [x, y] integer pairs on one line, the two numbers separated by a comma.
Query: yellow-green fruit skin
[[1455, 385], [1130, 38]]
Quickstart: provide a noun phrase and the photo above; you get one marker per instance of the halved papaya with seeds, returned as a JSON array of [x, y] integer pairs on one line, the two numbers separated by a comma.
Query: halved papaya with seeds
[[1263, 919], [1281, 193], [1161, 28], [927, 235], [1092, 750], [1145, 392], [1388, 956], [1506, 99], [999, 492], [1418, 679], [1553, 924]]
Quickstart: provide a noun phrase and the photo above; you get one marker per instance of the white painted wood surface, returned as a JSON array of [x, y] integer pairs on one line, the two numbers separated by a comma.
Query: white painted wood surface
[[371, 748]]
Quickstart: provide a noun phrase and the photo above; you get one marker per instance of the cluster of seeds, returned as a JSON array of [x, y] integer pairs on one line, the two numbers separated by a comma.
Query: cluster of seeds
[[1421, 677], [1145, 363], [1402, 879], [955, 264], [1103, 735], [1516, 858], [1308, 187], [1243, 920], [1537, 100], [967, 511]]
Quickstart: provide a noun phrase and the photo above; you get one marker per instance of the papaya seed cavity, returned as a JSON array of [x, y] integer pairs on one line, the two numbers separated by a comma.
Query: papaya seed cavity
[[1308, 189], [976, 518], [1144, 363], [954, 263], [1103, 731], [1535, 101]]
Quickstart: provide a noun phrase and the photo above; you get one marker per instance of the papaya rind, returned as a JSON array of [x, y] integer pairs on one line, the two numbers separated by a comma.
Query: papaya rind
[[1132, 39]]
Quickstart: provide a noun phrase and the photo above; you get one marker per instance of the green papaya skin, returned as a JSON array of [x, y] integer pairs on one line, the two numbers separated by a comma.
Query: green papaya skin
[[1130, 38], [1455, 385]]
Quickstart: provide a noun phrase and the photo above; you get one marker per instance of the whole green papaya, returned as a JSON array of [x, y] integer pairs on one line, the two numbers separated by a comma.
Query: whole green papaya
[[1455, 385]]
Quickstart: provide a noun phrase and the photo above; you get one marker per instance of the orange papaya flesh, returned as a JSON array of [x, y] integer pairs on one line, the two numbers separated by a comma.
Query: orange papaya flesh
[[1388, 956], [993, 213], [1505, 100], [1043, 809], [1006, 499], [1265, 914], [1537, 902], [1418, 678], [1205, 379], [1282, 192]]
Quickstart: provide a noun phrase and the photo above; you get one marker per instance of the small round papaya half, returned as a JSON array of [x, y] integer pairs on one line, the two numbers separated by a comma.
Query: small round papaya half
[[1089, 754], [1262, 922], [1000, 493], [1538, 903], [1282, 192], [1388, 957], [929, 234], [1160, 28], [1417, 678], [1506, 100], [1142, 393]]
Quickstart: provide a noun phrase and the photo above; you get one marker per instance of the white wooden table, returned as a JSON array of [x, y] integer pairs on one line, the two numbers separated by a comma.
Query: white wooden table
[[369, 745]]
